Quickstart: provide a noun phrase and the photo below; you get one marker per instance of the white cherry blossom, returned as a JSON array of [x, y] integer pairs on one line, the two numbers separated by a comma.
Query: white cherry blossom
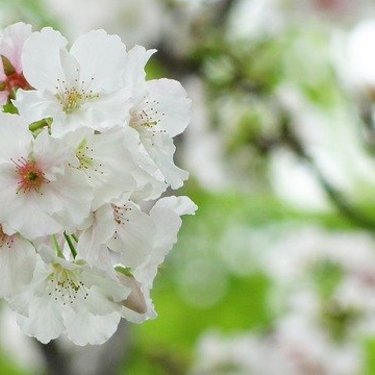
[[117, 236], [166, 214], [40, 193], [107, 162], [71, 298], [89, 151], [79, 87], [121, 226], [159, 113]]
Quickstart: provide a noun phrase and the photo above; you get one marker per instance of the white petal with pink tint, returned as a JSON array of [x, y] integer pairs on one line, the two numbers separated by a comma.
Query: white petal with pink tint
[[17, 263], [40, 191], [12, 42]]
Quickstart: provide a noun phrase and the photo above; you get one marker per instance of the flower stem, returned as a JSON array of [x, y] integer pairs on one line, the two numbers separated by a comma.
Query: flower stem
[[71, 246], [56, 246], [38, 125]]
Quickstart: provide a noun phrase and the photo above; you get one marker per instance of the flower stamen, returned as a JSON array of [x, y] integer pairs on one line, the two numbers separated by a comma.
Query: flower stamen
[[31, 177], [5, 239], [146, 114], [72, 98], [65, 286]]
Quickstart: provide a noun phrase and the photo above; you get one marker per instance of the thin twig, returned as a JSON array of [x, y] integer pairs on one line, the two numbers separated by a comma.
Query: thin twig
[[349, 211]]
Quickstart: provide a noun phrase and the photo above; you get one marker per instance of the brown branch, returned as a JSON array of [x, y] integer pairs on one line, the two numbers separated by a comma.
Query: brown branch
[[57, 362], [225, 7], [89, 360], [343, 206]]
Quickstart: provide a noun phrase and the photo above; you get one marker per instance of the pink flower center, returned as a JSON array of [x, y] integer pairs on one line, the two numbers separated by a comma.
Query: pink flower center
[[31, 177]]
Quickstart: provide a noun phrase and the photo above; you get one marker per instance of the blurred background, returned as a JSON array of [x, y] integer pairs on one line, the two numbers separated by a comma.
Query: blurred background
[[276, 272]]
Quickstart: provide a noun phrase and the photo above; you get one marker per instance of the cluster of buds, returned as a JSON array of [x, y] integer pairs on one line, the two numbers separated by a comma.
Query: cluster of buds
[[85, 155]]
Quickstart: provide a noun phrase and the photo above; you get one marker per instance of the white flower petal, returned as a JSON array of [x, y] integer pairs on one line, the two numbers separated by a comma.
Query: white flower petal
[[41, 59], [180, 205], [91, 240], [29, 219], [172, 102], [76, 196], [17, 263], [37, 105], [52, 155], [13, 127], [130, 239], [135, 66], [85, 328], [102, 57], [161, 149], [44, 321]]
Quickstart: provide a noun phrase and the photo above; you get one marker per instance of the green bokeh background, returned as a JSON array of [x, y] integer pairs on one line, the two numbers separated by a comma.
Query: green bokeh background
[[166, 345]]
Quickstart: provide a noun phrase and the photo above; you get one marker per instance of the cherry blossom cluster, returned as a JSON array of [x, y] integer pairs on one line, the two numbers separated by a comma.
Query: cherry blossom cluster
[[321, 300], [86, 151], [292, 347]]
